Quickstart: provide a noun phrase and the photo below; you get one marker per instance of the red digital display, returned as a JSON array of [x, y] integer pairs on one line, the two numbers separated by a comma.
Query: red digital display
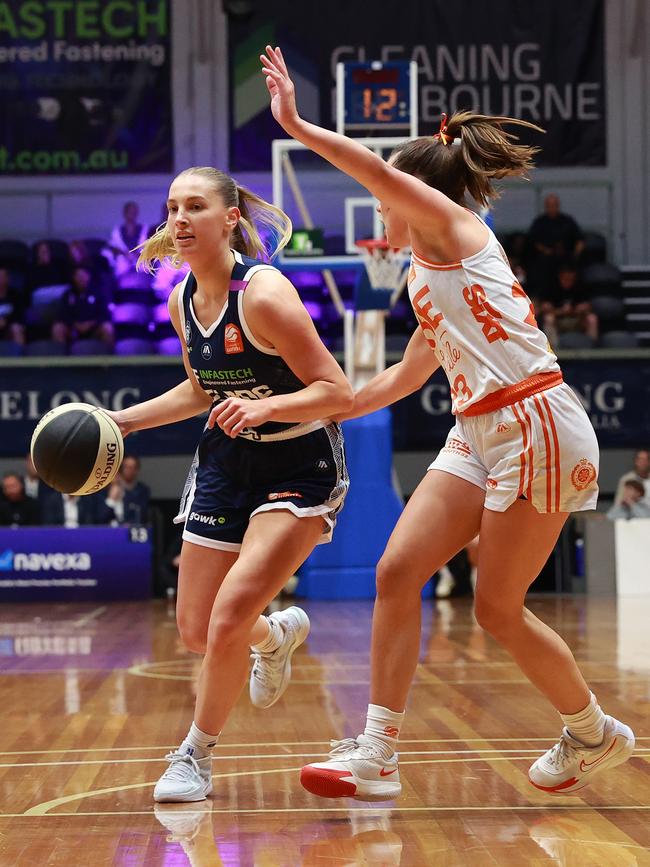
[[375, 76]]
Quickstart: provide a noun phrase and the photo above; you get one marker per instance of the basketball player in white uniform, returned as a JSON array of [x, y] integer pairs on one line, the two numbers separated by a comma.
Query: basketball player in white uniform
[[521, 456]]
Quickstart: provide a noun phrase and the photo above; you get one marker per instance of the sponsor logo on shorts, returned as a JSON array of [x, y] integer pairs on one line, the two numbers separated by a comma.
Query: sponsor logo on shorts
[[583, 474], [232, 340], [206, 351], [210, 520], [492, 483], [322, 465], [458, 447], [503, 427], [280, 495]]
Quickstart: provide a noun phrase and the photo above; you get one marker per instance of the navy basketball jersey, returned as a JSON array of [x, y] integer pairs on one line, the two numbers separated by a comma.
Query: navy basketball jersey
[[226, 358]]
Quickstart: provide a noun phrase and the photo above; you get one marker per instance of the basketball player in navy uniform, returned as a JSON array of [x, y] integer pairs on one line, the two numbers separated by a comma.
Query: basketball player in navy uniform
[[269, 473]]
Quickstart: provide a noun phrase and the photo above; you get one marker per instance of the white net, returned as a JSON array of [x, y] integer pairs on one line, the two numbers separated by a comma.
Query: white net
[[384, 265]]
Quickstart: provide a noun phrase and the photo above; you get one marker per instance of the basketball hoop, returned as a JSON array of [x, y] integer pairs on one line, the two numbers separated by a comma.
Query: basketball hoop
[[383, 263]]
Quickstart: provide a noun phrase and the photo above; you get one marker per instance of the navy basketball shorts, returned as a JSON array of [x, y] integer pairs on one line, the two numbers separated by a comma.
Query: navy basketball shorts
[[233, 479]]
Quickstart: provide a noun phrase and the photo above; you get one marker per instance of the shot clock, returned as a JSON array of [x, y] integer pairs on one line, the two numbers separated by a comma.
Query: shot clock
[[375, 96]]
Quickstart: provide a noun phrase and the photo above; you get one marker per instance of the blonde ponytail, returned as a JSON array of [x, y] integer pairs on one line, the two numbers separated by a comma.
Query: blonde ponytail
[[255, 213]]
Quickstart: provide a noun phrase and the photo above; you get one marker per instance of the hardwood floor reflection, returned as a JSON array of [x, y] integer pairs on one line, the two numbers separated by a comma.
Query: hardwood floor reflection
[[93, 697]]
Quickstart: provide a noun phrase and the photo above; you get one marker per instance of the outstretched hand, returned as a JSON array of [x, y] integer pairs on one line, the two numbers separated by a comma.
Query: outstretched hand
[[280, 86]]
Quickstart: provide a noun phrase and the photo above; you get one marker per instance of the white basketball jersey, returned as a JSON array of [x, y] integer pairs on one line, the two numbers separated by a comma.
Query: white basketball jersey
[[480, 323]]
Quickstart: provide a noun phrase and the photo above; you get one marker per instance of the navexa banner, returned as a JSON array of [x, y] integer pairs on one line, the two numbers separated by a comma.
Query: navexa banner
[[85, 87]]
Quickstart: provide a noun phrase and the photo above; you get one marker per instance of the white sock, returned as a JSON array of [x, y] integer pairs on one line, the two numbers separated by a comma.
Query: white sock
[[198, 744], [586, 726], [383, 727], [273, 640]]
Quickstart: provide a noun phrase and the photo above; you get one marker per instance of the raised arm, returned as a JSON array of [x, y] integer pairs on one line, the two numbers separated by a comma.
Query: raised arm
[[416, 202]]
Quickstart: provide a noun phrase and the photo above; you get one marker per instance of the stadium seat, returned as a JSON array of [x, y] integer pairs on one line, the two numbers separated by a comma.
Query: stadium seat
[[608, 308], [94, 245], [90, 347], [602, 278], [45, 347], [135, 280], [169, 346], [9, 349], [14, 254], [132, 320], [619, 340], [575, 340], [46, 295], [595, 249], [135, 346]]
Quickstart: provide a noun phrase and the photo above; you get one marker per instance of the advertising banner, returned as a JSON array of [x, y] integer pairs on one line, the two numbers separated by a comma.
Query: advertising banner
[[541, 61], [46, 564], [85, 87]]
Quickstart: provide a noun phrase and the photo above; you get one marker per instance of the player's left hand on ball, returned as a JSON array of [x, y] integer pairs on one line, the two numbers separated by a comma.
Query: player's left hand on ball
[[234, 414]]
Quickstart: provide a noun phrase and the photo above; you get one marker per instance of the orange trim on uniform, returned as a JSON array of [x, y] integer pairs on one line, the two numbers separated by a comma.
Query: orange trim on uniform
[[522, 453], [547, 443], [531, 462], [557, 452], [450, 266], [513, 393]]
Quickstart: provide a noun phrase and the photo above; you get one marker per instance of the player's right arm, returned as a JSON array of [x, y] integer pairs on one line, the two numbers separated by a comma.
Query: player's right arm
[[398, 381], [185, 400]]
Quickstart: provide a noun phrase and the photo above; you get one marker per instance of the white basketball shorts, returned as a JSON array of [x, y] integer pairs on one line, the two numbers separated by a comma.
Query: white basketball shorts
[[542, 448]]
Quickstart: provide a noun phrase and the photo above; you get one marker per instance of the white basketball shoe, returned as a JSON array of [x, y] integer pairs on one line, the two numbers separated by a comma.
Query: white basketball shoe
[[570, 765], [355, 769], [186, 779], [271, 672]]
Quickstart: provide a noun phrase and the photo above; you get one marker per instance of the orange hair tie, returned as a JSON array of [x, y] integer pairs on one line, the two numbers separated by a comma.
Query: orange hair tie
[[442, 134]]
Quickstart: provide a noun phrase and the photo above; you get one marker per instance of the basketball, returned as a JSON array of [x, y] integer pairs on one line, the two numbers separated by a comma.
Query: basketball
[[77, 448]]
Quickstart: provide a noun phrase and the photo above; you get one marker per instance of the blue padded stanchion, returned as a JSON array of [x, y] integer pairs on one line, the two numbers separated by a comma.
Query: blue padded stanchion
[[345, 569]]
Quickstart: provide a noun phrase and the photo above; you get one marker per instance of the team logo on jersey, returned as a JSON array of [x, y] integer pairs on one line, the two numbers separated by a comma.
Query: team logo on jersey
[[206, 351], [503, 427], [583, 474], [188, 333], [232, 340]]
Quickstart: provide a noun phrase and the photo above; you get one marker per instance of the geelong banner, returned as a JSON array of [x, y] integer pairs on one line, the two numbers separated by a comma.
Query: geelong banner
[[85, 87], [539, 60]]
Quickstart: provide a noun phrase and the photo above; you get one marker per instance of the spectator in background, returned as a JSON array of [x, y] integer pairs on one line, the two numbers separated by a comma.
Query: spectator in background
[[567, 306], [83, 313], [101, 273], [66, 510], [640, 474], [35, 487], [11, 310], [632, 504], [16, 508], [127, 497], [45, 271], [125, 238], [554, 238]]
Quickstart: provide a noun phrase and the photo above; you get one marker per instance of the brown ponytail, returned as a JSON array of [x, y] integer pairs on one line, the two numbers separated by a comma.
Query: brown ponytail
[[473, 152], [255, 212]]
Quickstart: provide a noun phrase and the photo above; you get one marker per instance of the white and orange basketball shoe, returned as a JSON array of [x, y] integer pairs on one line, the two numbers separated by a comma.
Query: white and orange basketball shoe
[[355, 769], [570, 765]]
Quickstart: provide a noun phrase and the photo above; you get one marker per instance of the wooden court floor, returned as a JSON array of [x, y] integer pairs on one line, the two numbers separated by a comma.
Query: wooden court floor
[[91, 698]]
